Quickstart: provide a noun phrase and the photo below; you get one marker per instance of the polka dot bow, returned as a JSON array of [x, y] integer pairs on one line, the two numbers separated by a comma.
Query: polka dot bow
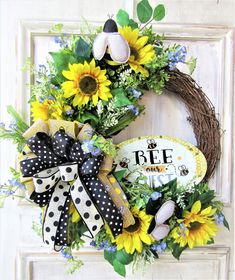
[[62, 173]]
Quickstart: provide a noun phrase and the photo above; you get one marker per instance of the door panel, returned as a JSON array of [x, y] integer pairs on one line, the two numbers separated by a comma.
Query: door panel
[[24, 29]]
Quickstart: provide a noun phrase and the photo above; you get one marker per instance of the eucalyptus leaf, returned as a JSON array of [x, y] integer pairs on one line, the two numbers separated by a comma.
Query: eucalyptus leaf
[[144, 11], [119, 268], [159, 12], [122, 18]]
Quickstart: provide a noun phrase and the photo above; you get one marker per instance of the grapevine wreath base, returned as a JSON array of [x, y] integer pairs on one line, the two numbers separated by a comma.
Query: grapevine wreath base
[[202, 117], [134, 200]]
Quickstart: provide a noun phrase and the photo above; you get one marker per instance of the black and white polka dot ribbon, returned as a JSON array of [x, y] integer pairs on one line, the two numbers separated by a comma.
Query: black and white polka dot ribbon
[[60, 160]]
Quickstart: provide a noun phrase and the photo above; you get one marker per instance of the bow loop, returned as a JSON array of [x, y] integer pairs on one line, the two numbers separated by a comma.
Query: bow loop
[[62, 143], [91, 166], [41, 145], [76, 153]]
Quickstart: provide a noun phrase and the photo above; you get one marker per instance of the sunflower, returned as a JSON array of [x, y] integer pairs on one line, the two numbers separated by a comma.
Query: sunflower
[[86, 82], [45, 110], [141, 52], [197, 227], [131, 238]]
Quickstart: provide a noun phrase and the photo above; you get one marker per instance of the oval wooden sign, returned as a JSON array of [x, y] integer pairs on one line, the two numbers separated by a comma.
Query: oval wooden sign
[[161, 159]]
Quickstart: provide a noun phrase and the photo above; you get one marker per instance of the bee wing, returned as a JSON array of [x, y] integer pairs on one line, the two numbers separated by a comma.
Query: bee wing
[[165, 212], [100, 45], [160, 232], [118, 47]]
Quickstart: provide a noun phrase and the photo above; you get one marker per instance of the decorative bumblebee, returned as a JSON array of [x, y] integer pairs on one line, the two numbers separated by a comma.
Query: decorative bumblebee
[[151, 144], [183, 170], [124, 162], [112, 40]]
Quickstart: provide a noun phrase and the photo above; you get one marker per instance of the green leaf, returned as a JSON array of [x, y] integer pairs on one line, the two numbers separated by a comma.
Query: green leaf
[[177, 250], [123, 257], [159, 12], [122, 18], [82, 49], [61, 61], [144, 11], [119, 174], [119, 268], [211, 241], [226, 224], [22, 126], [207, 197], [87, 116], [133, 24], [120, 98], [192, 63], [172, 185], [109, 256]]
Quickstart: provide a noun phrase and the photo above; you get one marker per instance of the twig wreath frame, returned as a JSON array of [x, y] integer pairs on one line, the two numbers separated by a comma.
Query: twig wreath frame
[[202, 117]]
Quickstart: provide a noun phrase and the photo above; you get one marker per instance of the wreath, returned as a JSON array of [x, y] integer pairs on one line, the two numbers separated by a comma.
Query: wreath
[[89, 91]]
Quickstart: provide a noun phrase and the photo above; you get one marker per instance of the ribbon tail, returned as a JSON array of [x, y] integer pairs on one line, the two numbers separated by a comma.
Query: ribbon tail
[[86, 208], [106, 206], [53, 217], [116, 195]]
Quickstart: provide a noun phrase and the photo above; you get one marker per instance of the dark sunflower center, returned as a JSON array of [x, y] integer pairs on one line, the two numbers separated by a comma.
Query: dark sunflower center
[[195, 225], [135, 53], [88, 85], [135, 227]]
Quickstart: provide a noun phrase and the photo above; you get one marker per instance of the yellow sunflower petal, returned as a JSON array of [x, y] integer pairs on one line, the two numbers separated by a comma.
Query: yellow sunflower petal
[[196, 207], [137, 243], [145, 238], [95, 99]]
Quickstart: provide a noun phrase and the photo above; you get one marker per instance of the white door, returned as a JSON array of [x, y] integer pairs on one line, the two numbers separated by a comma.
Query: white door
[[206, 26]]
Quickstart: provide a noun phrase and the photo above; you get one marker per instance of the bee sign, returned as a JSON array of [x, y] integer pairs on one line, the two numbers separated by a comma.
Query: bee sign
[[161, 159]]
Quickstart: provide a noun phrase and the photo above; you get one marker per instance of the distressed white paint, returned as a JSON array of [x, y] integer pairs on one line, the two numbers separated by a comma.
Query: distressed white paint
[[23, 28]]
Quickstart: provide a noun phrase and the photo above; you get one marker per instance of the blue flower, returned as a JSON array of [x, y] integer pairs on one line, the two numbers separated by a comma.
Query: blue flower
[[163, 245], [136, 93], [69, 111], [65, 254], [159, 248], [112, 249], [182, 226], [56, 39], [135, 110], [51, 98], [40, 218], [42, 67], [96, 152], [53, 86], [88, 146], [93, 243], [179, 55], [15, 183], [2, 124], [219, 219], [13, 125], [155, 195]]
